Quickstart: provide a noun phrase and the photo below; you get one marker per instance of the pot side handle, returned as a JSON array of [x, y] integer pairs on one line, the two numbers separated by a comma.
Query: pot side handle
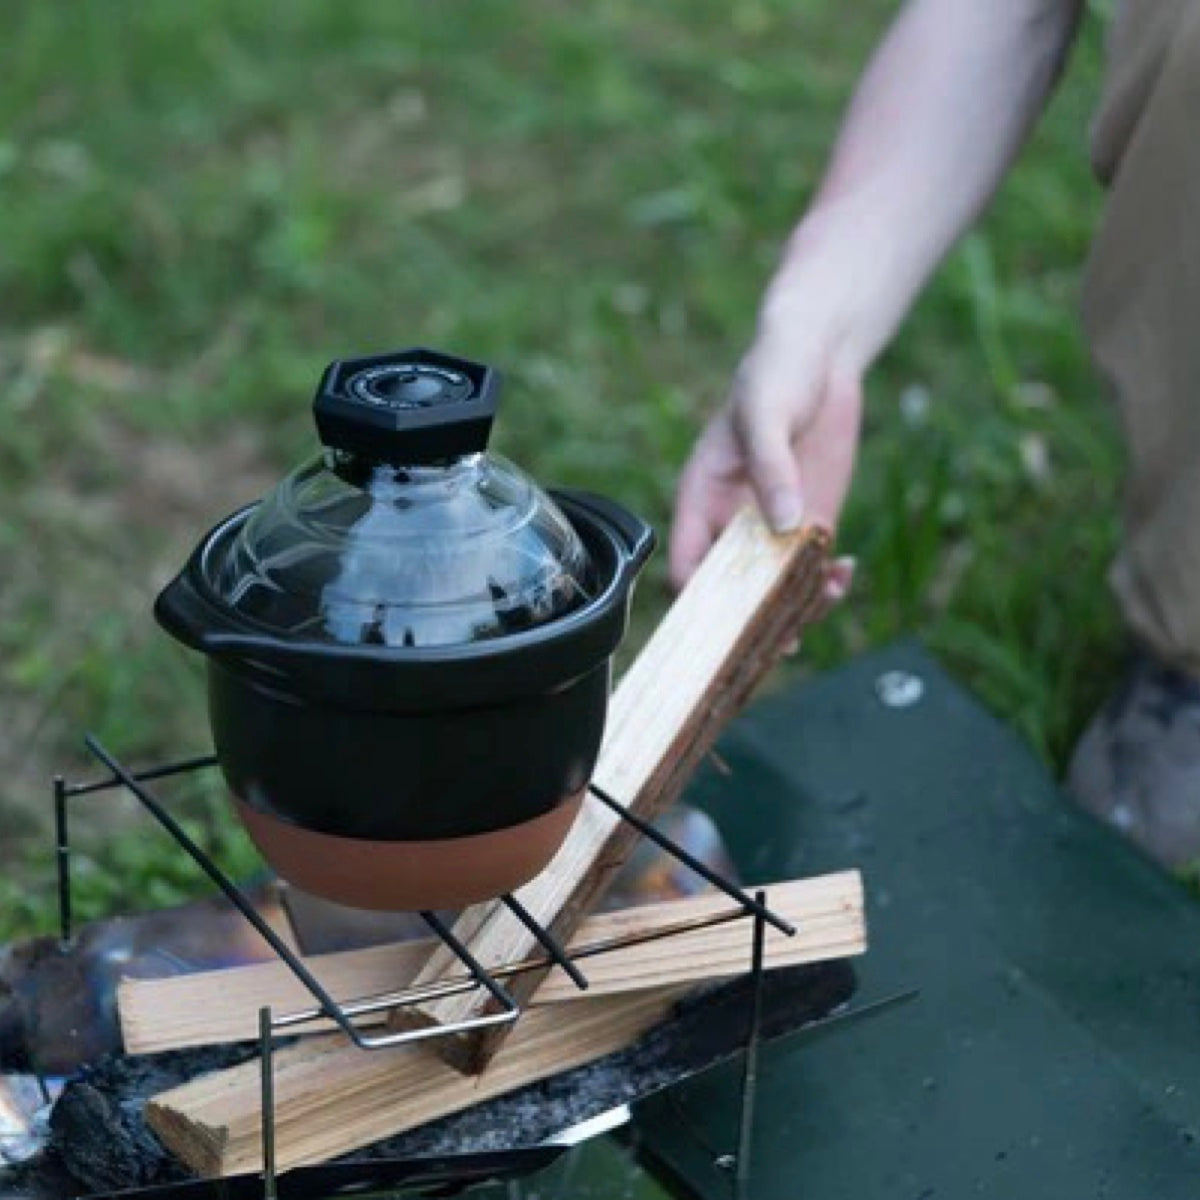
[[192, 619], [639, 537]]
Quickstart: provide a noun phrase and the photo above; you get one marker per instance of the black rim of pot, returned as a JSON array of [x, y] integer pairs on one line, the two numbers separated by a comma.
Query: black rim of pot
[[417, 678]]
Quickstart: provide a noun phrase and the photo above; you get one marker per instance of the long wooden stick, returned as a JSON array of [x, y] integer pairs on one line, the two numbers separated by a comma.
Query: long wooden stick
[[221, 1006], [717, 642], [331, 1098]]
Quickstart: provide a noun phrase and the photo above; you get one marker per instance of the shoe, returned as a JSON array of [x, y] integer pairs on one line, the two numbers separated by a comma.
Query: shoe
[[1137, 765]]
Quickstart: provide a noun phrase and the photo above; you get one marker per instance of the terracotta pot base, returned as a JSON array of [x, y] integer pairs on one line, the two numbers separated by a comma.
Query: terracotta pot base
[[407, 876]]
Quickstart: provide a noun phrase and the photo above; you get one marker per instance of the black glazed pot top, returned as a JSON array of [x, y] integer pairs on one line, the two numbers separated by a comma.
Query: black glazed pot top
[[416, 678]]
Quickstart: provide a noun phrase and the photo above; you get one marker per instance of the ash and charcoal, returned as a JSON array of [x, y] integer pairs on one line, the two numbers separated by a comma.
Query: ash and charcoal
[[97, 1132], [100, 1142]]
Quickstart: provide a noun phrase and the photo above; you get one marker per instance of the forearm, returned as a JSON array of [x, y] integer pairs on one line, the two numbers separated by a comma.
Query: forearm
[[942, 109]]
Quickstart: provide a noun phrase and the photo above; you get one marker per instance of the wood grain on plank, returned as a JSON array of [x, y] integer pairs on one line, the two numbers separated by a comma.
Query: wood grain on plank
[[331, 1098]]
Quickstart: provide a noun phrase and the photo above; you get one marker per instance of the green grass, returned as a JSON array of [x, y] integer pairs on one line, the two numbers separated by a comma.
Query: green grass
[[203, 203]]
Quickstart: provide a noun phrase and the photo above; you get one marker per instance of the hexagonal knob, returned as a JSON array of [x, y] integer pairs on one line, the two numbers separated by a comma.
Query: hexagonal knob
[[412, 406]]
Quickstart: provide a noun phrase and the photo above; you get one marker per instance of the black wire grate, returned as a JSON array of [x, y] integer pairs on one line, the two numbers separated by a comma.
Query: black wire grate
[[342, 1013]]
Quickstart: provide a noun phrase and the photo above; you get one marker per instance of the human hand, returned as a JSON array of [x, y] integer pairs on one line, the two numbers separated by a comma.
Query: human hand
[[938, 115], [788, 434]]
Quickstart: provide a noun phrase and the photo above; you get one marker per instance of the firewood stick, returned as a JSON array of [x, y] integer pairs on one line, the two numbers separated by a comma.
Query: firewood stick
[[221, 1006], [719, 639], [331, 1097]]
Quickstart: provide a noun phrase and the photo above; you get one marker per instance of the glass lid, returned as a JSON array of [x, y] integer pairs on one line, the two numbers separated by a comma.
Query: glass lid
[[404, 532]]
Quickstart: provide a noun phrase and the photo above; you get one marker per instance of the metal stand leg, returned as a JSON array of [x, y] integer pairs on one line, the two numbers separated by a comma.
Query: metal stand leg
[[62, 850], [267, 1072], [750, 1070]]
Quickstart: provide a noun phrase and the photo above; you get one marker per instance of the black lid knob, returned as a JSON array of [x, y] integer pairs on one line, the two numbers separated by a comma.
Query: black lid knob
[[413, 406]]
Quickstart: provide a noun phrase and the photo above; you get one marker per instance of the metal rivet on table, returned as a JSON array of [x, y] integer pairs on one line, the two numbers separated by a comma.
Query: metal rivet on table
[[899, 689]]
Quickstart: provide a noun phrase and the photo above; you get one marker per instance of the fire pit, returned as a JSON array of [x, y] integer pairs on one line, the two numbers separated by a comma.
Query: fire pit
[[99, 1143]]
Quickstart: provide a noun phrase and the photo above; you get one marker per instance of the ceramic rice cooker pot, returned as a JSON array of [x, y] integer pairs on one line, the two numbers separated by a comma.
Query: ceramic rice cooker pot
[[409, 644]]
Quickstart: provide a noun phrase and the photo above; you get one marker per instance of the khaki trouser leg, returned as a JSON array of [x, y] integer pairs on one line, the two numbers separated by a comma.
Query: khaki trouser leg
[[1142, 313]]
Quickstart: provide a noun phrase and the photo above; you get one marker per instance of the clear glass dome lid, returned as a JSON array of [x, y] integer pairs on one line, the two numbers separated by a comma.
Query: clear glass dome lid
[[404, 532]]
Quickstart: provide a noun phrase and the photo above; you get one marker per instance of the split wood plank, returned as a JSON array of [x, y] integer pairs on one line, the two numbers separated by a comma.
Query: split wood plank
[[722, 635], [332, 1098], [211, 1007]]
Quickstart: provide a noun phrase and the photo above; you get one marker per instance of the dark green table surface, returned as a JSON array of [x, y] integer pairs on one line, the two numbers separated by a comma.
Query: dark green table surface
[[1054, 1050]]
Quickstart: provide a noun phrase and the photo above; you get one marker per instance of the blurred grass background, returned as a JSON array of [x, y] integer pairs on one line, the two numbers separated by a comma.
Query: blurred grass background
[[203, 203]]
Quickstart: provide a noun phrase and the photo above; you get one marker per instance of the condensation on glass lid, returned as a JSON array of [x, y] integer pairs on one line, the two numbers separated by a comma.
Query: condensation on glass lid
[[402, 557]]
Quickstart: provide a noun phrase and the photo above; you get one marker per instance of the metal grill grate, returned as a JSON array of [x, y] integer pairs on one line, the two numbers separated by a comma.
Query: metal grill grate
[[475, 976]]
